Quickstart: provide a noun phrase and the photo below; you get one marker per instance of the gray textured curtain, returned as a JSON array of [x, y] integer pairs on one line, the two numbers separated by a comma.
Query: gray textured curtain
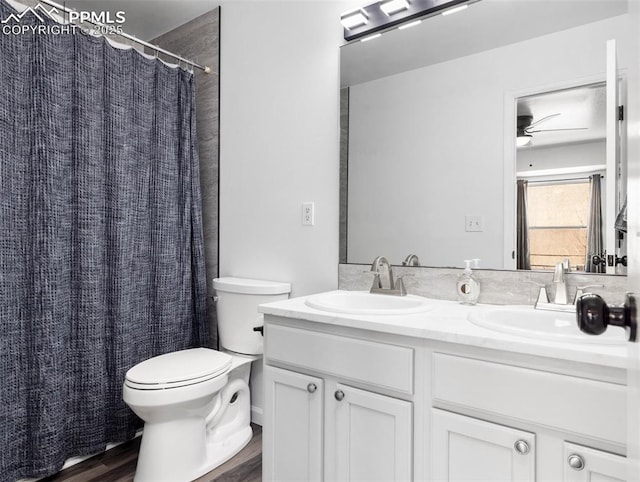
[[101, 251], [595, 243], [621, 218], [522, 226]]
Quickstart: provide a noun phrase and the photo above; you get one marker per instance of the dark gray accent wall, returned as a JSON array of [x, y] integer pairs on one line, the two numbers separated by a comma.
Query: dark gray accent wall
[[199, 40], [344, 170]]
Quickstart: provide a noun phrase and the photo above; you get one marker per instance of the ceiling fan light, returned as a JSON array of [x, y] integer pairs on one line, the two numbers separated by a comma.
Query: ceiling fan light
[[524, 140], [389, 7]]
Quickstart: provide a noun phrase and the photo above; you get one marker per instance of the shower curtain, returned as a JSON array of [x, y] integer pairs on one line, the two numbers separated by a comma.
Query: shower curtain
[[101, 249]]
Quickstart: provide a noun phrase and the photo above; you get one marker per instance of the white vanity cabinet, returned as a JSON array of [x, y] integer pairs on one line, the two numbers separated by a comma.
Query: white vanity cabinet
[[584, 464], [502, 422], [355, 399], [468, 449], [320, 421], [372, 435], [294, 407]]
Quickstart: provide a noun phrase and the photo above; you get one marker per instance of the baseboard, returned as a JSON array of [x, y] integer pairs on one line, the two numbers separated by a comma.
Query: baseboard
[[256, 415]]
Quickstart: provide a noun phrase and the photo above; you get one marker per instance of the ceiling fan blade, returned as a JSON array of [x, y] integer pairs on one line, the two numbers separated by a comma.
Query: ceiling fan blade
[[533, 124], [554, 130]]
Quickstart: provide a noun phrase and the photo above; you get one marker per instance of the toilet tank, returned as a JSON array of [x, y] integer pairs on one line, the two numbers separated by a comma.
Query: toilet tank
[[237, 309]]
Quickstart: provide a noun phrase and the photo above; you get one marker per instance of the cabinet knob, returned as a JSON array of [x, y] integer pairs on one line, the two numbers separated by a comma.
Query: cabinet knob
[[576, 462], [312, 387], [521, 447], [339, 395]]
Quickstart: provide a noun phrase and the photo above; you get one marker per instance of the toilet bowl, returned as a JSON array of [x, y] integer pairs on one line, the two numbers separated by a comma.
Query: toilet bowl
[[195, 403]]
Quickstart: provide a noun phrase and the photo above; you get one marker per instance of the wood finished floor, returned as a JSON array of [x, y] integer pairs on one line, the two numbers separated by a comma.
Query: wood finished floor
[[119, 465]]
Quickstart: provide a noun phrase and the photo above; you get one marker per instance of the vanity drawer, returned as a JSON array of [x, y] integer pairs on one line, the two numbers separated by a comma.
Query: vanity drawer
[[571, 404], [377, 364]]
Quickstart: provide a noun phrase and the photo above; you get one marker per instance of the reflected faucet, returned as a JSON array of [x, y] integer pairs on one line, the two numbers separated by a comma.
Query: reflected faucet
[[561, 296], [411, 260]]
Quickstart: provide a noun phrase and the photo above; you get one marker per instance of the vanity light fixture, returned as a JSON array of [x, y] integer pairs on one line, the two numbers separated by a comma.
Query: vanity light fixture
[[354, 18], [390, 7], [388, 14]]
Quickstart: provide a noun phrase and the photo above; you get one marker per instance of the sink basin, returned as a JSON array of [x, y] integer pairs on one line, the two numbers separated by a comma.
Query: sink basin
[[547, 325], [365, 303]]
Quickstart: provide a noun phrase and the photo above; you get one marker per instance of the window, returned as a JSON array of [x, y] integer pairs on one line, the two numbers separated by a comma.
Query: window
[[557, 215]]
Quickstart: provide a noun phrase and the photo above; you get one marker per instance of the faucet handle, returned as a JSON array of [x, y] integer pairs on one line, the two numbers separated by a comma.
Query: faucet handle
[[402, 291], [580, 290], [376, 279], [542, 294], [600, 285]]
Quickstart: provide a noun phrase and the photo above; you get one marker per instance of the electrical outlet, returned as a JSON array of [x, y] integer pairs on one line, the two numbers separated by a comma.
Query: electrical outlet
[[307, 214], [473, 223]]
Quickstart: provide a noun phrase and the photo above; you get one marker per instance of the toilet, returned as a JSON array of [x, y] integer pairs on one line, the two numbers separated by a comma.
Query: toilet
[[195, 403]]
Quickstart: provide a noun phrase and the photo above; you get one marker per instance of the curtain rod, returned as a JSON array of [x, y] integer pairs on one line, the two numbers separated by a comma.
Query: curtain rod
[[563, 179], [204, 68]]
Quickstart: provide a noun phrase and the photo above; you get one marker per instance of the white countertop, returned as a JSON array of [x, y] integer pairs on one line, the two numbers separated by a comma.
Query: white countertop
[[447, 322]]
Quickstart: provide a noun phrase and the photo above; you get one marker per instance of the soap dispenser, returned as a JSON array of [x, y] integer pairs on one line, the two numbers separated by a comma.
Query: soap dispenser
[[468, 287]]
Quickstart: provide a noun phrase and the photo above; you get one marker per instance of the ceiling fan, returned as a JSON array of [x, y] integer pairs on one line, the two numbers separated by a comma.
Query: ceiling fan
[[525, 128]]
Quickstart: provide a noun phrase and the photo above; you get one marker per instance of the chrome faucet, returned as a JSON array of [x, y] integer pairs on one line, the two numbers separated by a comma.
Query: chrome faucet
[[561, 296], [560, 301], [411, 260], [381, 270]]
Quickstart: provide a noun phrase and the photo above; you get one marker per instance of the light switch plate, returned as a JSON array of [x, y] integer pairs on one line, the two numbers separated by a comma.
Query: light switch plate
[[473, 223]]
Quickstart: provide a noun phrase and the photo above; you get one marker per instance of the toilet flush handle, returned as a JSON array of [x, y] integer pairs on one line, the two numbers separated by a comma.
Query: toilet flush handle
[[260, 329]]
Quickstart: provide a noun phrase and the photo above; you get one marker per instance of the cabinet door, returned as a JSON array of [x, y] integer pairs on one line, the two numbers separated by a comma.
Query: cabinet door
[[372, 433], [292, 430], [468, 449], [583, 464]]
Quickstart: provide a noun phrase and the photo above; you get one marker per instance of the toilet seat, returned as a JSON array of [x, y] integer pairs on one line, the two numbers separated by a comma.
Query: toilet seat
[[178, 369]]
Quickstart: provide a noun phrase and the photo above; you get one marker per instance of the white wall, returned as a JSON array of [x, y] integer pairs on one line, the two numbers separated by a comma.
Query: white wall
[[280, 141], [427, 146], [279, 146], [561, 156]]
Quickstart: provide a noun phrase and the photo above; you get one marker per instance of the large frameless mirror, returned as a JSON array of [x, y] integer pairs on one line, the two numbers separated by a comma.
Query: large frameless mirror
[[431, 117]]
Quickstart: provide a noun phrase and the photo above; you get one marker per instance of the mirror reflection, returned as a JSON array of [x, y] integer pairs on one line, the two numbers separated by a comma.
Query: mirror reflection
[[431, 123], [561, 175]]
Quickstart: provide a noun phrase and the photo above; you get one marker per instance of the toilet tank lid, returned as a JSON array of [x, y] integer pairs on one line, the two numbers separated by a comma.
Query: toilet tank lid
[[251, 286]]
